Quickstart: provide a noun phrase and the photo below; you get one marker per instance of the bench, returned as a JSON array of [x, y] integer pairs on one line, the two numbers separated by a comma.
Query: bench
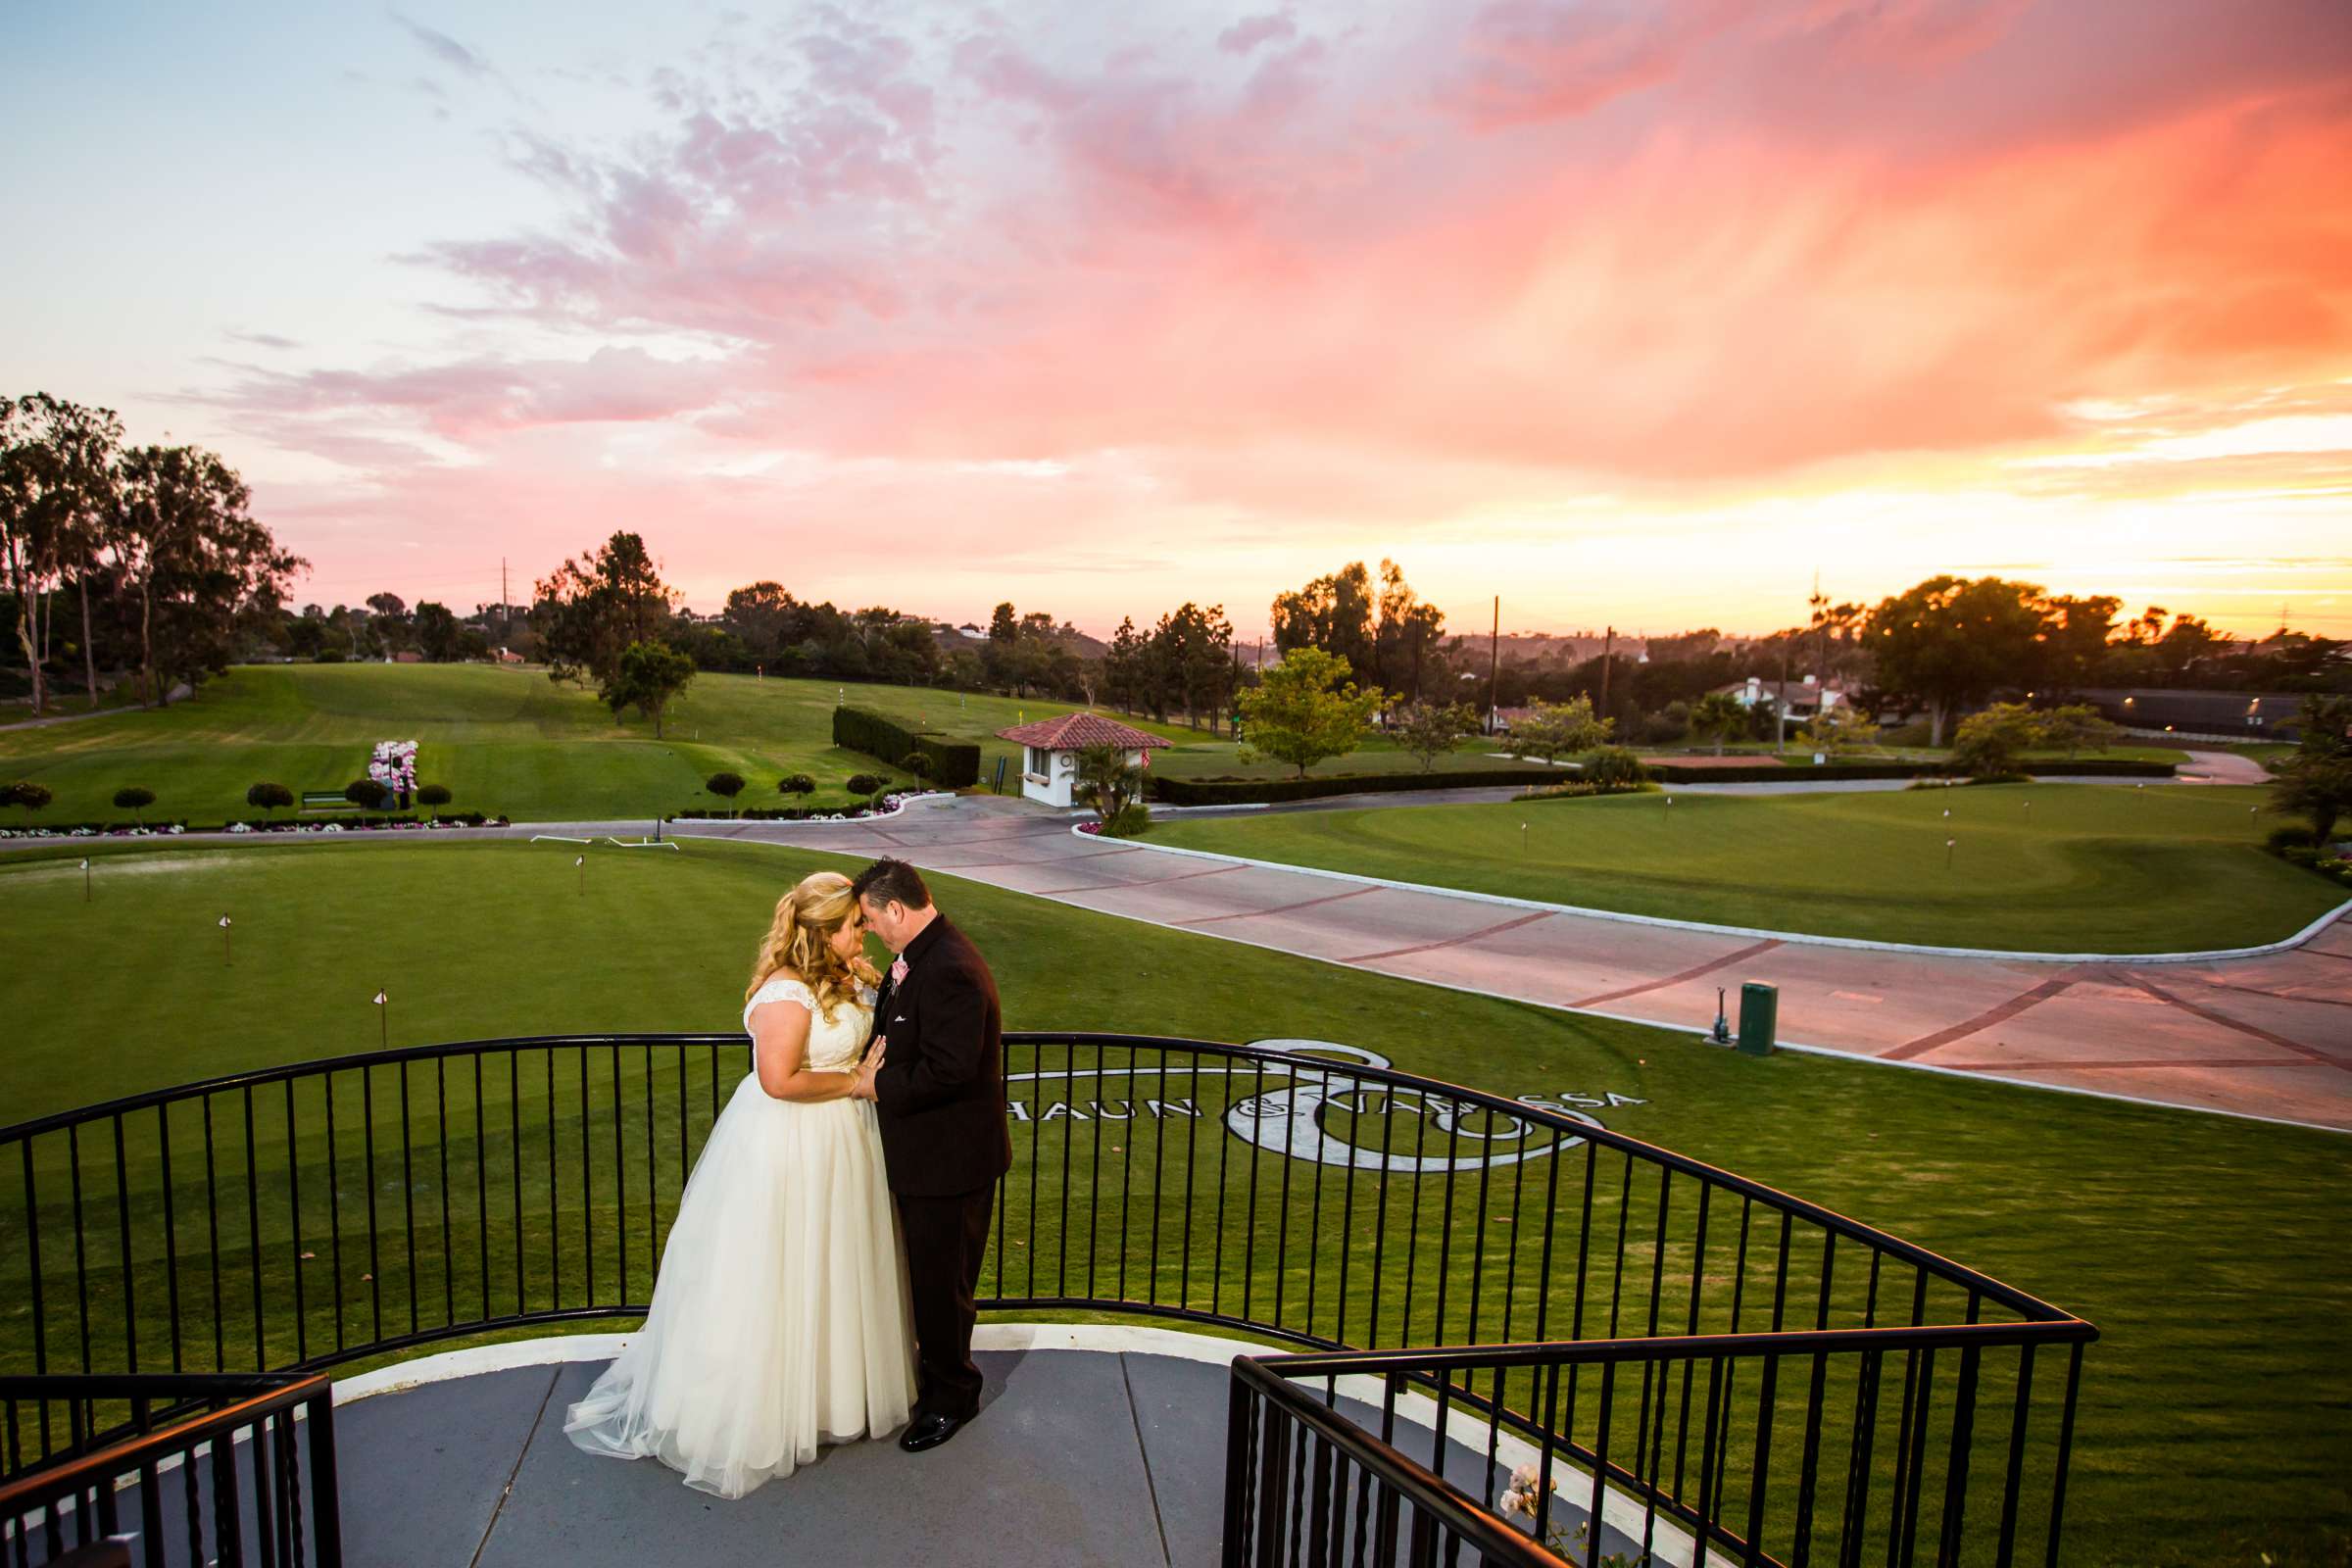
[[325, 801]]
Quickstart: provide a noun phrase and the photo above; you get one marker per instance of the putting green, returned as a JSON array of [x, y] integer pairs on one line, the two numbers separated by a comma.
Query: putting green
[[2218, 1361], [2021, 867]]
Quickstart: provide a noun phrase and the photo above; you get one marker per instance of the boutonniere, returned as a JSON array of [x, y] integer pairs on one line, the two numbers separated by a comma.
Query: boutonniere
[[898, 971]]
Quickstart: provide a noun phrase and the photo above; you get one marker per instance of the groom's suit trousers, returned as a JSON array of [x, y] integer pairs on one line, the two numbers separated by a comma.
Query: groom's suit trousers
[[946, 1238]]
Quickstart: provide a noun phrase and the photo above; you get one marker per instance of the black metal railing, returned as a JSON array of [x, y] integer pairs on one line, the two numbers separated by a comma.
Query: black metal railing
[[213, 1463], [1673, 1449], [313, 1215]]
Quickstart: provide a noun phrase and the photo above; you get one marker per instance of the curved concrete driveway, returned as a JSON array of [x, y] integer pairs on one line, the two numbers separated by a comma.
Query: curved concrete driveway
[[2269, 1036]]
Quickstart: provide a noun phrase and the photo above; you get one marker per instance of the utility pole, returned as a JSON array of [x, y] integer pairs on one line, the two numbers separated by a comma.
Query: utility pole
[[1494, 669], [1780, 718], [505, 616], [1608, 643]]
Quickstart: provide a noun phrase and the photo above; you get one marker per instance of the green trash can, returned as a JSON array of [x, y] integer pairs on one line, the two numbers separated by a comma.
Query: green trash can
[[1759, 1011]]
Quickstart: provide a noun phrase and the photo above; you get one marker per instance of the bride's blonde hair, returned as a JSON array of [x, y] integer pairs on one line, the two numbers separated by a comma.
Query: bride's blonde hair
[[798, 942]]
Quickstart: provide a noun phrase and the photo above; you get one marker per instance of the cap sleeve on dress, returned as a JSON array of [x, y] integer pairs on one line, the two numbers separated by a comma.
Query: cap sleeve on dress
[[781, 988]]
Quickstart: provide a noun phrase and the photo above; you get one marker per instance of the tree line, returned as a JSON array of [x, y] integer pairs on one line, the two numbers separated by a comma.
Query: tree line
[[143, 559]]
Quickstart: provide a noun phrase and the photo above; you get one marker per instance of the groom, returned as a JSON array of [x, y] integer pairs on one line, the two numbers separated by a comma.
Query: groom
[[939, 1096]]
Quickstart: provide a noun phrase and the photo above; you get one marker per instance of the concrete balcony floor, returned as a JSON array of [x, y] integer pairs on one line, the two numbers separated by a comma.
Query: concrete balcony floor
[[1095, 1447]]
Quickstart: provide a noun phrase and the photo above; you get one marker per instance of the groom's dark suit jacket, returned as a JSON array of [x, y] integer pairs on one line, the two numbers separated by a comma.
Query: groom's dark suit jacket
[[940, 1096]]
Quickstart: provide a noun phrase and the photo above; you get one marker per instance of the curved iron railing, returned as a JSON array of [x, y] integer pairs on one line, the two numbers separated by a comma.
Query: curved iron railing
[[306, 1217]]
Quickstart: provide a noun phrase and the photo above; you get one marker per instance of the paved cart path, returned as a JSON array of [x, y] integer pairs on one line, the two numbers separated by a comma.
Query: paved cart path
[[2269, 1036]]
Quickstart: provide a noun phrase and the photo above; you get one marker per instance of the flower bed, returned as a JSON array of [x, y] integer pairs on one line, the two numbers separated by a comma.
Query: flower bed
[[348, 825], [97, 830], [891, 804]]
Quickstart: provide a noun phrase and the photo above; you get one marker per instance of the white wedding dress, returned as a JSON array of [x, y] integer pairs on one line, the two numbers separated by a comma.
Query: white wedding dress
[[780, 1318]]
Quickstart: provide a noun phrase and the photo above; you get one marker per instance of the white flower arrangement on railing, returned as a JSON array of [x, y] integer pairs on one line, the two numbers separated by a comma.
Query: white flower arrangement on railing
[[394, 765]]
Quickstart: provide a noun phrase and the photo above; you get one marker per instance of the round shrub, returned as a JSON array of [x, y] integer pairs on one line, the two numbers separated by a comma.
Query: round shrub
[[268, 797], [1612, 768], [1128, 820], [795, 784], [432, 794], [916, 762], [134, 798], [366, 793], [866, 784], [729, 785], [2294, 836], [26, 792]]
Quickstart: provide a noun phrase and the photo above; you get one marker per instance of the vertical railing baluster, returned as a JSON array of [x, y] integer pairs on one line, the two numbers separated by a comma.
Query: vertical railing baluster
[[621, 1168], [515, 1163], [211, 1223], [131, 1313], [481, 1184], [334, 1210], [579, 1061], [162, 1143], [1093, 1175], [1760, 1462], [1918, 1436], [1600, 1464], [1955, 1475], [39, 1302], [408, 1189], [555, 1206], [2066, 1448], [1854, 1522], [302, 1324], [253, 1231], [2013, 1475], [1808, 1473], [375, 1269], [1257, 1107], [449, 1262]]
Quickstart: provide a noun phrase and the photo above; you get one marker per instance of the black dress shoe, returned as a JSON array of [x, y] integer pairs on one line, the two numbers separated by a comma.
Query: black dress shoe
[[930, 1431]]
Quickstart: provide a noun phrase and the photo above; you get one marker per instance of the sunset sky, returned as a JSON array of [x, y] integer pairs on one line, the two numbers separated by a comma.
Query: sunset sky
[[1638, 311]]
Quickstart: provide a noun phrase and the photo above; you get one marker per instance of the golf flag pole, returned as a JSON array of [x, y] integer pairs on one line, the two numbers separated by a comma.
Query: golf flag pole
[[383, 1017], [85, 879], [224, 952], [581, 861], [1947, 853]]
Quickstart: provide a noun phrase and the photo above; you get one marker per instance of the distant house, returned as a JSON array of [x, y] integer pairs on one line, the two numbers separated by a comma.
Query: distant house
[[508, 656], [1049, 751], [1806, 697], [408, 657]]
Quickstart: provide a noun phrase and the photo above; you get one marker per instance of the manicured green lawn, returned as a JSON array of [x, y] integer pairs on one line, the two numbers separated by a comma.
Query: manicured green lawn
[[2033, 867], [1197, 758], [2213, 1423], [502, 740], [1797, 754]]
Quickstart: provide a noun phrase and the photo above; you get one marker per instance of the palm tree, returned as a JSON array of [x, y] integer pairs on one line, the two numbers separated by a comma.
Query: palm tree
[[1107, 780], [1717, 715]]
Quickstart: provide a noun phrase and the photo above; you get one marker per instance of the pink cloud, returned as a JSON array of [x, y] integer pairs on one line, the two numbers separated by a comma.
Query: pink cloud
[[1291, 280]]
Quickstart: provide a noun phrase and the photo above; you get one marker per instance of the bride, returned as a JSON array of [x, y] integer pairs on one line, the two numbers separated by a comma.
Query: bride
[[780, 1316]]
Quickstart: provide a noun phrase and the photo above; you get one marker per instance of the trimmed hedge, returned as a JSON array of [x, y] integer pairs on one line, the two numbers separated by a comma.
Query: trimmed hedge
[[955, 765], [1251, 791], [1769, 773], [1274, 791]]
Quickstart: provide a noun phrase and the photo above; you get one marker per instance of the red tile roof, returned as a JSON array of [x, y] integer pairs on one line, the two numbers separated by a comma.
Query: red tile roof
[[1071, 731]]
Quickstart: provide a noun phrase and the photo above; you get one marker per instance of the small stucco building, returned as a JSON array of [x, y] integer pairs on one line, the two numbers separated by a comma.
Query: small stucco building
[[1049, 751]]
